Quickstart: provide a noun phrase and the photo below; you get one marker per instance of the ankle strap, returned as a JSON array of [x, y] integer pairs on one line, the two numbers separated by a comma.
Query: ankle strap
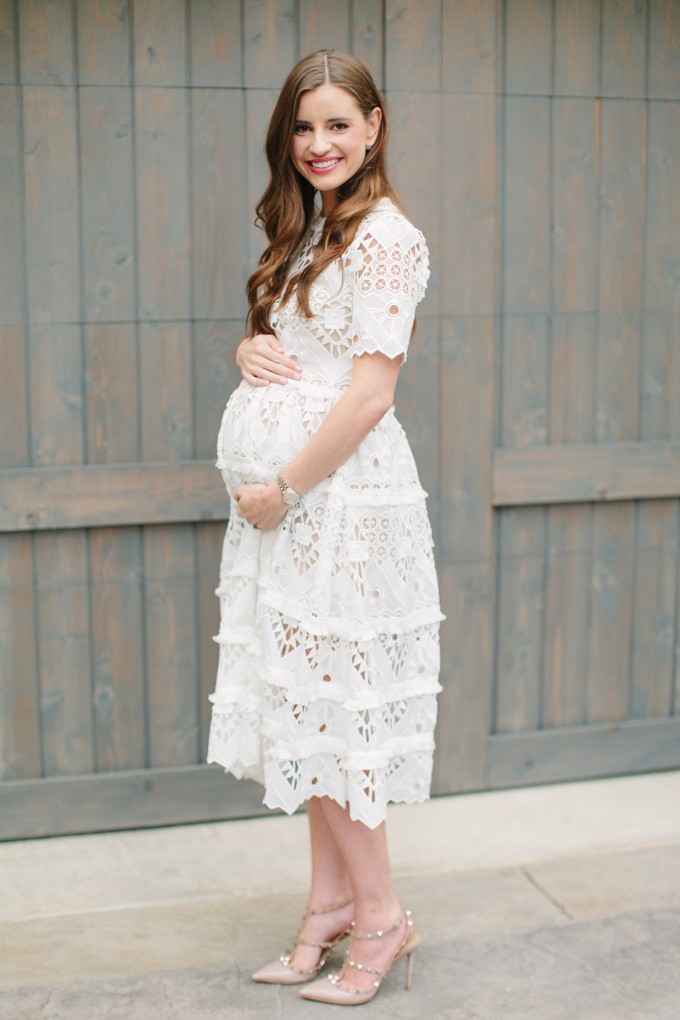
[[328, 910], [355, 935]]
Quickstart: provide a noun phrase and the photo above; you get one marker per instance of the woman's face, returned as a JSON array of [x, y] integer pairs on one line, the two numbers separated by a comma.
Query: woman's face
[[330, 139]]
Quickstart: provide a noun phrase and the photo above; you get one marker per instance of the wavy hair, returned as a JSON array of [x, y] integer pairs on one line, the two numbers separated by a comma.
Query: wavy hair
[[287, 205]]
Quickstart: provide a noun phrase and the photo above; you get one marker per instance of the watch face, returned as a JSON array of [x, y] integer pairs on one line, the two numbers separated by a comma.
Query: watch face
[[289, 497]]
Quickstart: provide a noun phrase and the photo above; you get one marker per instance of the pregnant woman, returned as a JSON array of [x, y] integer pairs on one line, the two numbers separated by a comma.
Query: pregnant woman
[[329, 654]]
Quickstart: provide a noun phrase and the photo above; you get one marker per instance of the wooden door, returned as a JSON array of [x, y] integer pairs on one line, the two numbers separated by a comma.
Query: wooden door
[[537, 147]]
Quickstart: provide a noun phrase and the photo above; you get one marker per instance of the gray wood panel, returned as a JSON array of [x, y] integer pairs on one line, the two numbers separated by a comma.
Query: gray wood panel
[[536, 145]]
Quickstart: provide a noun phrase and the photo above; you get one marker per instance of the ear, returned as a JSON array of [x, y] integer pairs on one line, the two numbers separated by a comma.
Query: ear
[[373, 120]]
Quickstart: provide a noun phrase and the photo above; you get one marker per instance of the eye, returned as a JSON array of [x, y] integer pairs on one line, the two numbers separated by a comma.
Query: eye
[[301, 128], [340, 125]]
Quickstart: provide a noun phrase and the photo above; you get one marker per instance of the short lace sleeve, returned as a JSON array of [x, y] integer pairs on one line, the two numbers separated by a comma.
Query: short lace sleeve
[[390, 266]]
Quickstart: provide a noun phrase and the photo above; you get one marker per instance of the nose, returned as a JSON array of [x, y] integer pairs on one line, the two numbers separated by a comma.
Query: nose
[[319, 144]]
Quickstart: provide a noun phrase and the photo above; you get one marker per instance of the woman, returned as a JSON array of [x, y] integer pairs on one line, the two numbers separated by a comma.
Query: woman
[[329, 660]]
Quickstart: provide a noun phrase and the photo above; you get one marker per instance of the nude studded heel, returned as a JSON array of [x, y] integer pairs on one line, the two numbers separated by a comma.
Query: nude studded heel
[[330, 991], [280, 972]]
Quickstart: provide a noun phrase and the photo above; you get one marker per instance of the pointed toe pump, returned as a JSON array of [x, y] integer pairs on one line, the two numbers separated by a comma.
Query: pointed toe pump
[[329, 989], [280, 972]]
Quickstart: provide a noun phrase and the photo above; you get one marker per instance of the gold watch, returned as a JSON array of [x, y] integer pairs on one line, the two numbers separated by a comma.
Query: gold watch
[[290, 496]]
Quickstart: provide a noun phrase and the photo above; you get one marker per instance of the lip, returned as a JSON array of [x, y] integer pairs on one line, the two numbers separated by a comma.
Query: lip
[[333, 161]]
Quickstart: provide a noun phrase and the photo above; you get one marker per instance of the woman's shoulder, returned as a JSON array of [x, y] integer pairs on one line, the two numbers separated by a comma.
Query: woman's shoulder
[[387, 224]]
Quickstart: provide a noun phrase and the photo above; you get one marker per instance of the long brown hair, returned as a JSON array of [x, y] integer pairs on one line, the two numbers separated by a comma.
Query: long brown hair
[[287, 205]]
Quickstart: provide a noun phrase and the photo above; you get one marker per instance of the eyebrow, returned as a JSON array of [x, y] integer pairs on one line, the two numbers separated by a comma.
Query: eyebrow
[[301, 120]]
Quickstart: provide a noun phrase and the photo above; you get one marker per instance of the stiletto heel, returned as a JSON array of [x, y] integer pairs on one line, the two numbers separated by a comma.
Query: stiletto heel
[[332, 992], [280, 972]]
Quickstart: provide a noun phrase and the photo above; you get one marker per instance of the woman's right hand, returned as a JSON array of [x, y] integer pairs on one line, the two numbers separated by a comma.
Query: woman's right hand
[[262, 360]]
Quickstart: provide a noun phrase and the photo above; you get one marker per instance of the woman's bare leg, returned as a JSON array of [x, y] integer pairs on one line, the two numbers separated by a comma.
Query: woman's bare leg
[[376, 906], [330, 885]]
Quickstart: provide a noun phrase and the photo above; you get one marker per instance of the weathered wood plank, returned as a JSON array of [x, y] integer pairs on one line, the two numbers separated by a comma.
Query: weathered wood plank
[[209, 538], [269, 42], [367, 36], [110, 393], [567, 580], [577, 48], [11, 208], [56, 389], [468, 213], [117, 649], [19, 685], [575, 192], [171, 645], [413, 45], [46, 42], [584, 752], [63, 634], [466, 553], [116, 494], [662, 285], [622, 204], [14, 449], [415, 120], [215, 31], [526, 219], [124, 800], [259, 107], [8, 65], [579, 473], [664, 50], [104, 42], [528, 47], [624, 46], [215, 376], [52, 216], [324, 26], [106, 167], [470, 39], [163, 227], [166, 392], [160, 43], [219, 223]]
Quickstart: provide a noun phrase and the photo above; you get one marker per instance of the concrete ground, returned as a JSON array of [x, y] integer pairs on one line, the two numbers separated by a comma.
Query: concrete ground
[[555, 903]]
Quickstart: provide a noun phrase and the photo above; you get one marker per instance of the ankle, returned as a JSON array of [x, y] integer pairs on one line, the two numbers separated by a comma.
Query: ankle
[[378, 915], [323, 902]]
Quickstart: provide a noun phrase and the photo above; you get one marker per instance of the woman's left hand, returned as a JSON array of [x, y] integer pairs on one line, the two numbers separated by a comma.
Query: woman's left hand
[[261, 506]]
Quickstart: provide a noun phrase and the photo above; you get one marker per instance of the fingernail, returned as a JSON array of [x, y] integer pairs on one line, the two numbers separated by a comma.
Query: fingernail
[[282, 380]]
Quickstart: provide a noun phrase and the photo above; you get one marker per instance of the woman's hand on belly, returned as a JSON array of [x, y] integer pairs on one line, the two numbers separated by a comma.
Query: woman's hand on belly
[[261, 506], [262, 360]]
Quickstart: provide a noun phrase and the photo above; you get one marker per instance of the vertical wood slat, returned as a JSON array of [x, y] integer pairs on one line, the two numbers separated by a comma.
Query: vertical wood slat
[[104, 42], [324, 26], [20, 736], [367, 36], [413, 59], [209, 538], [470, 35], [8, 66], [664, 50], [528, 47], [107, 203], [577, 48], [11, 208], [259, 107], [163, 222], [218, 222], [624, 46], [662, 237], [269, 42], [215, 32], [160, 42], [215, 376], [51, 203], [466, 551], [46, 42]]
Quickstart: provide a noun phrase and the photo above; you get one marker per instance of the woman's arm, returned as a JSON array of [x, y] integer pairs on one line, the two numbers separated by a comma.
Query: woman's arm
[[262, 360], [369, 397]]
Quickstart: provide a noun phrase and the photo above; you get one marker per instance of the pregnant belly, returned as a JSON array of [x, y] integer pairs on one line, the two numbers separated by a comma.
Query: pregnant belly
[[264, 428]]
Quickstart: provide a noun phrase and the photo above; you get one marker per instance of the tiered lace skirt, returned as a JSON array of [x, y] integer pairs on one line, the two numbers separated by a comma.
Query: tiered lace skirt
[[329, 652]]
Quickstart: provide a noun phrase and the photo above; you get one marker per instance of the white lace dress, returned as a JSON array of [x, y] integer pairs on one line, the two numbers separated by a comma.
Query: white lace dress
[[329, 652]]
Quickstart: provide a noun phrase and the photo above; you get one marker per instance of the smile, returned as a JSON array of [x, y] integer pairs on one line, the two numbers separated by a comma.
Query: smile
[[322, 166]]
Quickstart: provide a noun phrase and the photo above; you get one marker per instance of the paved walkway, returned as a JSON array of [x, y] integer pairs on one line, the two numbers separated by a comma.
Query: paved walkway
[[554, 903]]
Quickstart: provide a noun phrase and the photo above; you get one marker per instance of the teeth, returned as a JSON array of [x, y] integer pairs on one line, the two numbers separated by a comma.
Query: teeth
[[326, 163]]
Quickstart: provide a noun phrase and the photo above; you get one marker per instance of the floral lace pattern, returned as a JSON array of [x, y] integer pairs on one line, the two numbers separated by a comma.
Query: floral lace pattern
[[329, 653]]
